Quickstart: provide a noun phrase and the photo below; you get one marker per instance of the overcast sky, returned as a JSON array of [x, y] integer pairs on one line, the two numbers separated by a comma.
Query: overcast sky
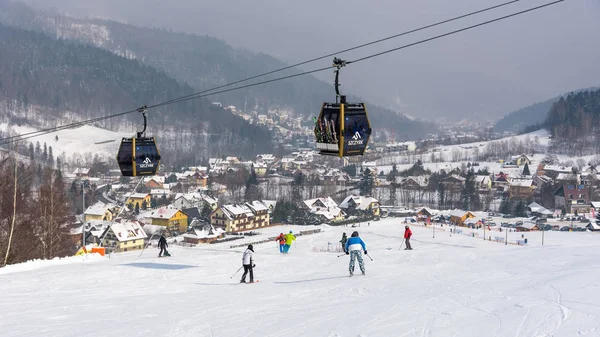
[[483, 74]]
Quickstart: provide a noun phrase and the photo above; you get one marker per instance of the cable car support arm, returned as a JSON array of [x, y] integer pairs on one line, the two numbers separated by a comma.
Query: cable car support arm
[[338, 64], [143, 111]]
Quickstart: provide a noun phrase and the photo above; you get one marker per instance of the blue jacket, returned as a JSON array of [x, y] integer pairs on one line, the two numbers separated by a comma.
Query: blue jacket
[[355, 243]]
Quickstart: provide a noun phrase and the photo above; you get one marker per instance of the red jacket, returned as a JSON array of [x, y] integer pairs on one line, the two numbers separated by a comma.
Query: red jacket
[[281, 239], [407, 233]]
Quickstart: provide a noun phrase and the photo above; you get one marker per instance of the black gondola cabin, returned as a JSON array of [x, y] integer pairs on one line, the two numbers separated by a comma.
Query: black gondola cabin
[[138, 156], [343, 128]]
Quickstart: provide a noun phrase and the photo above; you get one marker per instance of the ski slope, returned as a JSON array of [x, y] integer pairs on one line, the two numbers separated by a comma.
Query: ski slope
[[447, 286]]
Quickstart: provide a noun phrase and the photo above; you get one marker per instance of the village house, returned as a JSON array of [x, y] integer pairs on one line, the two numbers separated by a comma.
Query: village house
[[123, 237], [453, 182], [459, 217], [521, 160], [138, 199], [154, 183], [81, 172], [98, 211], [413, 183], [573, 196], [265, 158], [205, 233], [326, 208], [187, 200], [521, 189], [260, 169], [361, 205], [483, 182], [240, 217], [170, 218]]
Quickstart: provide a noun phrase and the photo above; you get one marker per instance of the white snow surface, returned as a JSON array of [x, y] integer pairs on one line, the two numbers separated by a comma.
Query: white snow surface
[[447, 286]]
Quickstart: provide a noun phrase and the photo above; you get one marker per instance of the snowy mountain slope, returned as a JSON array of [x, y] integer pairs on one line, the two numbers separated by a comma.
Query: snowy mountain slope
[[448, 286], [82, 140]]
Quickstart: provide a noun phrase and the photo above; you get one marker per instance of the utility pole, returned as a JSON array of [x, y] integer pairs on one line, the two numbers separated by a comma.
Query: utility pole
[[506, 240], [543, 230], [84, 184]]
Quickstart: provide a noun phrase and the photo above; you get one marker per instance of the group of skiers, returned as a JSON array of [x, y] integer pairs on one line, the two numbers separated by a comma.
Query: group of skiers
[[285, 241]]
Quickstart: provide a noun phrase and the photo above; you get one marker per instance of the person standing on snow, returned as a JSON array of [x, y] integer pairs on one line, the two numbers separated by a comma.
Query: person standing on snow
[[343, 241], [355, 247], [248, 264], [162, 244], [407, 235], [289, 238], [281, 239]]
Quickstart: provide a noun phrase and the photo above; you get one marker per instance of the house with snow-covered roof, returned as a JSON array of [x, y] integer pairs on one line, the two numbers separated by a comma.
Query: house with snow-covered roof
[[171, 218], [99, 211], [134, 199], [123, 237], [205, 233], [240, 217], [356, 204], [521, 189], [327, 208]]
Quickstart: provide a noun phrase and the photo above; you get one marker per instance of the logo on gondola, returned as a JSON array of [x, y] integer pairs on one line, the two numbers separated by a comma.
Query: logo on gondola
[[147, 163], [356, 139]]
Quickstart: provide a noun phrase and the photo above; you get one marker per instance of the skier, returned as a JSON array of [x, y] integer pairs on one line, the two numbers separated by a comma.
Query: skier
[[281, 239], [354, 247], [343, 241], [162, 244], [289, 238], [407, 235], [248, 264]]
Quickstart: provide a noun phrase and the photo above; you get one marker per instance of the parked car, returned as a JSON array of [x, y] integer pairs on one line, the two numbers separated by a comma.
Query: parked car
[[519, 223], [565, 228], [491, 224], [504, 224]]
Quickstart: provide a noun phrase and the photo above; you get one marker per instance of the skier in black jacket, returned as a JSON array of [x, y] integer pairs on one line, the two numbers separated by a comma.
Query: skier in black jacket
[[162, 244]]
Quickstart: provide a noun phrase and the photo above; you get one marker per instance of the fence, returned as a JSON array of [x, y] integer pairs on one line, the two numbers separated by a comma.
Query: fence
[[330, 248], [271, 239]]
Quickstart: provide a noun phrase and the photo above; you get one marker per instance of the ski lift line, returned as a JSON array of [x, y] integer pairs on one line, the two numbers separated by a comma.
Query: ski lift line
[[456, 31], [346, 50], [190, 97]]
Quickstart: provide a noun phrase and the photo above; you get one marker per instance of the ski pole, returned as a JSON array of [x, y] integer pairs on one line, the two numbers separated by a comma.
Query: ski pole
[[402, 244], [341, 255], [369, 256], [237, 271]]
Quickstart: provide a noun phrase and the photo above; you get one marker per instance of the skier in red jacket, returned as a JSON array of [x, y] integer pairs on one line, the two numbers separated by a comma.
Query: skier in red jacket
[[407, 235]]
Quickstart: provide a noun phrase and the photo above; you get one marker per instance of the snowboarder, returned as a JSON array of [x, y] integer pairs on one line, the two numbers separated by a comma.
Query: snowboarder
[[343, 241], [289, 238], [162, 244], [281, 239], [407, 235], [355, 247], [248, 264]]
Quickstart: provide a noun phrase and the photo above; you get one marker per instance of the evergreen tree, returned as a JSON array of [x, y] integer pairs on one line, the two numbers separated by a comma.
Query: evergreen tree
[[206, 212], [469, 196], [171, 179], [520, 209], [393, 173], [38, 150], [506, 207], [297, 187], [144, 204], [45, 153], [350, 169], [50, 157], [153, 202], [366, 183], [526, 170], [31, 152]]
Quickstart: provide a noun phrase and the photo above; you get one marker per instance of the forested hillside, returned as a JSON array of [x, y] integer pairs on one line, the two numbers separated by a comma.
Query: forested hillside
[[205, 62], [574, 123], [518, 120], [47, 82]]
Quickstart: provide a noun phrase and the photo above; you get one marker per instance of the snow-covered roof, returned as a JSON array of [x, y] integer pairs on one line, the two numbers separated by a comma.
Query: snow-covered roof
[[593, 226], [558, 168], [98, 208], [160, 191], [207, 231], [271, 204], [361, 202], [457, 213], [521, 183], [128, 231], [137, 195], [596, 204], [257, 206], [234, 210], [163, 213], [210, 200], [327, 202], [482, 179], [527, 225]]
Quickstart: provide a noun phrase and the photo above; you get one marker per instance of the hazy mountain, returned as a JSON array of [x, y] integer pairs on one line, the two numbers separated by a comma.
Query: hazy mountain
[[47, 82], [204, 62], [479, 74], [532, 115]]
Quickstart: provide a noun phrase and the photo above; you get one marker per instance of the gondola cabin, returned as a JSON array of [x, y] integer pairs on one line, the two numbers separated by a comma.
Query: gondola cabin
[[138, 157], [342, 129]]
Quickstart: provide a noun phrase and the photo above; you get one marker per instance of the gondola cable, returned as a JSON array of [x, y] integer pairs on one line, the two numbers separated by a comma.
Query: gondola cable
[[196, 96]]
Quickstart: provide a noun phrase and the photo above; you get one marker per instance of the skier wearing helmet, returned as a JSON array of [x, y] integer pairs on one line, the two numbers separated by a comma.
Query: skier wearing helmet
[[407, 235], [248, 263], [355, 247]]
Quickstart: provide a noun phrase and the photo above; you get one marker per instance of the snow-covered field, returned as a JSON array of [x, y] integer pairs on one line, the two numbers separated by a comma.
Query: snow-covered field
[[82, 140], [447, 286]]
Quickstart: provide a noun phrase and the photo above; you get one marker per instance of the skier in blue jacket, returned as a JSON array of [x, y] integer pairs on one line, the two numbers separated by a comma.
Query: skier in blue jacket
[[355, 247]]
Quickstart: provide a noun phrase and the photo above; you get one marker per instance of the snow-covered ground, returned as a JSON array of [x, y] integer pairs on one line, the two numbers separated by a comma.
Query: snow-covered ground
[[82, 140], [447, 286]]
